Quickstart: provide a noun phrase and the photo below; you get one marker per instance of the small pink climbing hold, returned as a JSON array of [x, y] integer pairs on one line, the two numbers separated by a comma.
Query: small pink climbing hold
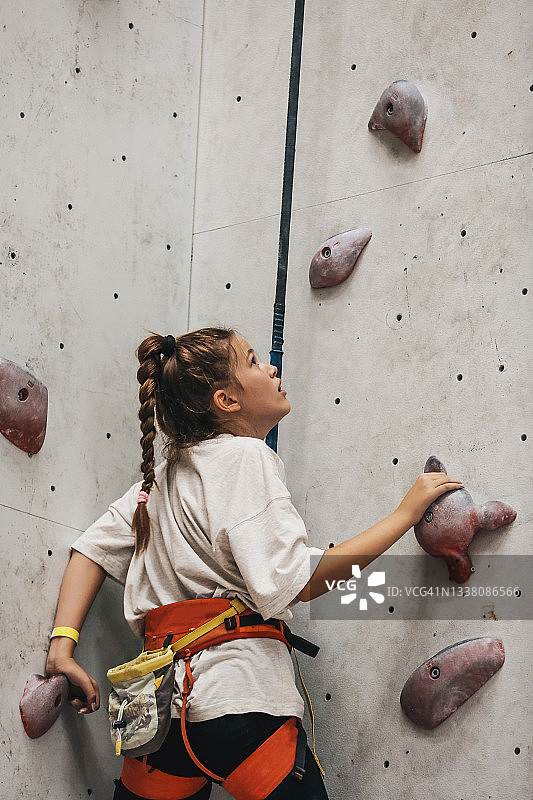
[[445, 681], [41, 703], [23, 407], [450, 523], [336, 258], [402, 110]]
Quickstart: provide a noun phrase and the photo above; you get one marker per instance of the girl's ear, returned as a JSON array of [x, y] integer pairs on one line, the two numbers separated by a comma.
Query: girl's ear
[[225, 400]]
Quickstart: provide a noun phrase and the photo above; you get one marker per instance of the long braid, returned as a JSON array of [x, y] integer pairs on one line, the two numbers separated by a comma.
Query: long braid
[[147, 375]]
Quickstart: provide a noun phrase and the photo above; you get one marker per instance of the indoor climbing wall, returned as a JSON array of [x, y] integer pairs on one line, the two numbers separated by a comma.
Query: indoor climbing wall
[[99, 106], [137, 134], [421, 350]]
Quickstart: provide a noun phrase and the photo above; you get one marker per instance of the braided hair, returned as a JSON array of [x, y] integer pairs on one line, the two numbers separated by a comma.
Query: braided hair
[[178, 377]]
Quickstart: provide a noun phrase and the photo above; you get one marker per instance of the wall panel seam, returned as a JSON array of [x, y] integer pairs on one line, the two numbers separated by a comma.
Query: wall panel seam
[[196, 164], [411, 183]]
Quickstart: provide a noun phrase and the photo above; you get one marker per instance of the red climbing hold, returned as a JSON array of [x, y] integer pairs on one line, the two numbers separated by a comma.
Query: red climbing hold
[[402, 110], [451, 521], [23, 407], [41, 703], [445, 681], [337, 257]]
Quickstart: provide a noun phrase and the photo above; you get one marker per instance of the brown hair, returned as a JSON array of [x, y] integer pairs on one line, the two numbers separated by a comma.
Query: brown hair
[[177, 390]]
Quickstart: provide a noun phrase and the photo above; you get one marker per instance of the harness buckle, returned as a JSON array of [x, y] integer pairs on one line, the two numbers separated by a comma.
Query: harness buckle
[[231, 623], [298, 773]]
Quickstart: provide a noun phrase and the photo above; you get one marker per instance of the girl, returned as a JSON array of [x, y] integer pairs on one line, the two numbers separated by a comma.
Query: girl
[[215, 521]]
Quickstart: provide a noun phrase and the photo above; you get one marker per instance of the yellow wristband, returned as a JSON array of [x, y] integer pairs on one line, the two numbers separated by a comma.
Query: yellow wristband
[[71, 633]]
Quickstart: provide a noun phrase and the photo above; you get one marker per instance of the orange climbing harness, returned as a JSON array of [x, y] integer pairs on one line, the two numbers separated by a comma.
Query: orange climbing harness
[[192, 625]]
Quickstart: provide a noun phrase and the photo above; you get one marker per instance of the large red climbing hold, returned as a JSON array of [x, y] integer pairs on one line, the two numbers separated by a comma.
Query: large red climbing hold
[[23, 407], [402, 110], [451, 521], [336, 258], [41, 703], [446, 680]]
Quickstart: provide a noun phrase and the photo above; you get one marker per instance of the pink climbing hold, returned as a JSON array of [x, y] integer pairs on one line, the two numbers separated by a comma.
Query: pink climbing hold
[[41, 703], [23, 407], [449, 678], [336, 258], [450, 523], [402, 110]]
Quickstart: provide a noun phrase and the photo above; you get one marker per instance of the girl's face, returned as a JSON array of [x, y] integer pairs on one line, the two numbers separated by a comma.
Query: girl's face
[[256, 408]]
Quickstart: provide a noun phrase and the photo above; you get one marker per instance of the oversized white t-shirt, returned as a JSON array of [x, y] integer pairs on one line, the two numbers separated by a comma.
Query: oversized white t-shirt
[[222, 525]]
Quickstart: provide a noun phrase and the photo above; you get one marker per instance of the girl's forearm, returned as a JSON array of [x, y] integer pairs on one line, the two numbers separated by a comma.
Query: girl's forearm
[[81, 582], [336, 563]]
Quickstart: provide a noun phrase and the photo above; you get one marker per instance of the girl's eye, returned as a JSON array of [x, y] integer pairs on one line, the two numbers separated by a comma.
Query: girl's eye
[[253, 360]]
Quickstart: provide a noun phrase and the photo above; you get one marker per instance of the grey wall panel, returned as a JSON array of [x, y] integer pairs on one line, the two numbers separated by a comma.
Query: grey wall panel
[[76, 755], [477, 90], [83, 86], [233, 280], [397, 380], [84, 285], [247, 48]]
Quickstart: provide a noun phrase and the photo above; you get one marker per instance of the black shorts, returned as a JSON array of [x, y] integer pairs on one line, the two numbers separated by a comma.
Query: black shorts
[[221, 744]]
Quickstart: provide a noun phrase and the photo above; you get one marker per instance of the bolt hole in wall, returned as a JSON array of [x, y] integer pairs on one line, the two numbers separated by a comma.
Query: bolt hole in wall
[[463, 232], [473, 34], [61, 346], [459, 377], [394, 461], [354, 66], [52, 488], [328, 696], [517, 750], [228, 286], [69, 206], [391, 609], [108, 436], [168, 247], [123, 158], [115, 295], [49, 552], [523, 437], [524, 291], [238, 98], [337, 401], [386, 764], [23, 394]]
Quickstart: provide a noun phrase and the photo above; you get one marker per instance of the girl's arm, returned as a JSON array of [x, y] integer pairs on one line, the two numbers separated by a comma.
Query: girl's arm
[[81, 583], [370, 544]]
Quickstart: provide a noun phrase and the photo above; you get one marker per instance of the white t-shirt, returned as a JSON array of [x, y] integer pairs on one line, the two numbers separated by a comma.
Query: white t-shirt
[[222, 525]]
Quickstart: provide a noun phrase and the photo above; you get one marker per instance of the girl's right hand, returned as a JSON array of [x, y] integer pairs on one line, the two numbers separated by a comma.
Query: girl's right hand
[[84, 692], [427, 487]]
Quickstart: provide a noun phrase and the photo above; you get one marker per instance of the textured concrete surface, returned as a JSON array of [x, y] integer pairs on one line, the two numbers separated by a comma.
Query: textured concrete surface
[[439, 292], [99, 104]]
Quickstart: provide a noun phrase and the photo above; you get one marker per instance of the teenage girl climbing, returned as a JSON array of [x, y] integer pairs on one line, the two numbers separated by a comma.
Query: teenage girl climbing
[[214, 521]]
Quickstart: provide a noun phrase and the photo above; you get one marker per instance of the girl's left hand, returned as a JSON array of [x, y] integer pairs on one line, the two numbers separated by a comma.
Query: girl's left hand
[[84, 693]]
